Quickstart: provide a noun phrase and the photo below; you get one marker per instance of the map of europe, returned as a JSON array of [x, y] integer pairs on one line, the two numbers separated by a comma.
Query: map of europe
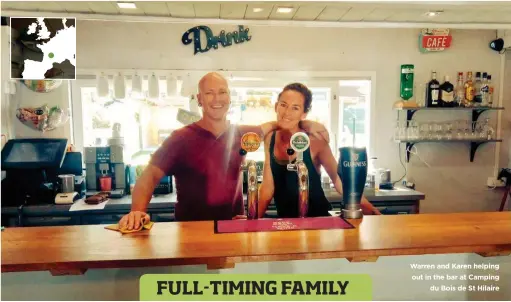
[[46, 48]]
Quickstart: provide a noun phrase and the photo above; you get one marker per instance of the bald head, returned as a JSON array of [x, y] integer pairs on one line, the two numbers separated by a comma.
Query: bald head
[[212, 78], [214, 97]]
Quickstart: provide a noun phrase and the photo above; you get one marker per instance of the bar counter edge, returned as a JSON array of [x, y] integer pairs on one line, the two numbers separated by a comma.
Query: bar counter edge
[[71, 250]]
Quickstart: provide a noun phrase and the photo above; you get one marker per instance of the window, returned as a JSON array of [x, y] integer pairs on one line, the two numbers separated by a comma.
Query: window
[[342, 103], [256, 105], [354, 99], [144, 123]]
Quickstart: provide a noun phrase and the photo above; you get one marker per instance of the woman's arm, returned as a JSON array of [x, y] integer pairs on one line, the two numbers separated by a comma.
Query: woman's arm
[[267, 187], [327, 160]]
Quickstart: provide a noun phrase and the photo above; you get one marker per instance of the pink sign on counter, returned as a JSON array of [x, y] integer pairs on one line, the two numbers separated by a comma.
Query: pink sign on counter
[[281, 224]]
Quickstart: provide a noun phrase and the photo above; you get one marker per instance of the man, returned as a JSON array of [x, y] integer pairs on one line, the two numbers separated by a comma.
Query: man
[[205, 161]]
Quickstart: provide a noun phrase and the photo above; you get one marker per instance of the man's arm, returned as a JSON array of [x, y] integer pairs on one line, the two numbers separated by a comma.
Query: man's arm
[[164, 159], [144, 187]]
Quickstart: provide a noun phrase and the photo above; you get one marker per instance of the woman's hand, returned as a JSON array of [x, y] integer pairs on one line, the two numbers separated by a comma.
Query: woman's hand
[[316, 129], [238, 217], [368, 208]]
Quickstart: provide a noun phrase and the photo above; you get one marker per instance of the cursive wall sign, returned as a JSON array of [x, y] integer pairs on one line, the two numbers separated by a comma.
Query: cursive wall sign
[[212, 41]]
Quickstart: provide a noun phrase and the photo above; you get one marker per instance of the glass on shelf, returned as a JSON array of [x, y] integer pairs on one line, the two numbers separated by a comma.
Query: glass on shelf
[[448, 130], [424, 131], [413, 130], [401, 132], [488, 131]]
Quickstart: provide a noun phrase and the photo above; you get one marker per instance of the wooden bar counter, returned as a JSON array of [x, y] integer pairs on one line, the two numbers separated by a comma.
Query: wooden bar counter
[[75, 249]]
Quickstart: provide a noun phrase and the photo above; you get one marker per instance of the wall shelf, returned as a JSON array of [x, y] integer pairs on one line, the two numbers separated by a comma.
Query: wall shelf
[[474, 144], [476, 111]]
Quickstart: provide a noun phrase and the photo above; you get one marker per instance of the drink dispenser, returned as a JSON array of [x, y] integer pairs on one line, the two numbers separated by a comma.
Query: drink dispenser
[[406, 90]]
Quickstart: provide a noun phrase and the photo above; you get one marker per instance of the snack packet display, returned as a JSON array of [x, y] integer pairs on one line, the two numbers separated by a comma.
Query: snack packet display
[[43, 118]]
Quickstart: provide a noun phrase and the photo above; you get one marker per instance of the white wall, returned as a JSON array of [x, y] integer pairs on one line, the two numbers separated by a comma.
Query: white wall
[[452, 183]]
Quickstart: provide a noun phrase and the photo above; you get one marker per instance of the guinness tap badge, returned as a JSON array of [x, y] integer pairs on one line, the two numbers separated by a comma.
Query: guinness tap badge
[[300, 142], [250, 142]]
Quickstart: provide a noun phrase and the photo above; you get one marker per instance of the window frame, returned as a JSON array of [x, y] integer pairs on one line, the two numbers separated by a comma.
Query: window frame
[[327, 79]]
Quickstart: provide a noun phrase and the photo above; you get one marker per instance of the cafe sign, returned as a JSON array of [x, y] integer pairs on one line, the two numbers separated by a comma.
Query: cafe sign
[[434, 39], [196, 35]]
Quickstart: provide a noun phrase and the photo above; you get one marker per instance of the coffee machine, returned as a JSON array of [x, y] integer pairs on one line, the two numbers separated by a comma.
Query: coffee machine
[[105, 170]]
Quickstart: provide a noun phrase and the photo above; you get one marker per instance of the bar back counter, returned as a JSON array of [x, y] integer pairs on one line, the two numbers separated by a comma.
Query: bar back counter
[[161, 209], [88, 262]]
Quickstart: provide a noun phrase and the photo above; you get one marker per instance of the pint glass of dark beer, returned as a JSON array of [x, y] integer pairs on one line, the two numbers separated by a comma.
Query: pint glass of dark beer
[[352, 169]]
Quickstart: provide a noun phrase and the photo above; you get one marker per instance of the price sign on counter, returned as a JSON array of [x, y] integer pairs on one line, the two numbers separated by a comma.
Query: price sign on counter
[[434, 40]]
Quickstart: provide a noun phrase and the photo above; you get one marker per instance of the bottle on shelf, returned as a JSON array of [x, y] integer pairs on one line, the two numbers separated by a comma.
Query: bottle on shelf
[[469, 90], [432, 91], [460, 91], [406, 90], [447, 94], [484, 90], [477, 89], [490, 91]]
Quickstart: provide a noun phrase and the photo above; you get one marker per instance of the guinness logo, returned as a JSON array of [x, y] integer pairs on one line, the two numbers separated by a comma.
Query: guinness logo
[[356, 156]]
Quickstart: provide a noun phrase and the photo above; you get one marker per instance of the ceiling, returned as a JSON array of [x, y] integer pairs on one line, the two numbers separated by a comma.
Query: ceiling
[[489, 12]]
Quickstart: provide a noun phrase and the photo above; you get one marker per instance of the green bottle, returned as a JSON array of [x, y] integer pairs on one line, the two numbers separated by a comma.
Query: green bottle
[[406, 81]]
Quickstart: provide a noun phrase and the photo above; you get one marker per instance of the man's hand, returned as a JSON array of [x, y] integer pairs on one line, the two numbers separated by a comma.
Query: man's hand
[[133, 220], [238, 217], [316, 129]]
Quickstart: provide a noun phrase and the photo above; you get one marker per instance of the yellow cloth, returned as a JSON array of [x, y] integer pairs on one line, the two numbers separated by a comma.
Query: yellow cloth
[[145, 225]]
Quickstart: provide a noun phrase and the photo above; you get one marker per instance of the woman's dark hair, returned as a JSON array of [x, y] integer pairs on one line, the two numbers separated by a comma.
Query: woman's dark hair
[[307, 94]]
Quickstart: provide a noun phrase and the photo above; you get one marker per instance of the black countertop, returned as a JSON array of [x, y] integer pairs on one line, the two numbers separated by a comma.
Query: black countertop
[[163, 203]]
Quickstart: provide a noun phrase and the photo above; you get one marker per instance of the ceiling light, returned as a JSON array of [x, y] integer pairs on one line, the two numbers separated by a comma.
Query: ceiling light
[[257, 10], [284, 10], [433, 13], [130, 5]]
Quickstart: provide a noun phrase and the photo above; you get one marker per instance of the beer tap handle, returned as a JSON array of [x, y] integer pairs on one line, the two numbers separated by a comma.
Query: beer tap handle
[[299, 143], [250, 142]]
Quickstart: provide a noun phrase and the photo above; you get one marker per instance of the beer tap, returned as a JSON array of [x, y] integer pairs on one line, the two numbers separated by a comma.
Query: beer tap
[[250, 142], [299, 143]]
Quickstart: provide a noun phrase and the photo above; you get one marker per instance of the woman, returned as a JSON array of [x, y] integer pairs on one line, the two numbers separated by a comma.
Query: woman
[[294, 102]]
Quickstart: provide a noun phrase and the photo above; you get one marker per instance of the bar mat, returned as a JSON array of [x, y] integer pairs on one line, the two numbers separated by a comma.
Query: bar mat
[[281, 224]]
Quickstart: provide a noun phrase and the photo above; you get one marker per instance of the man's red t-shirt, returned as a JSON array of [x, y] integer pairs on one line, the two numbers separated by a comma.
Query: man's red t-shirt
[[207, 171]]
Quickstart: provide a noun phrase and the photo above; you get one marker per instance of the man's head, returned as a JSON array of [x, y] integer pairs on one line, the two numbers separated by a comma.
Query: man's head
[[293, 104], [213, 96]]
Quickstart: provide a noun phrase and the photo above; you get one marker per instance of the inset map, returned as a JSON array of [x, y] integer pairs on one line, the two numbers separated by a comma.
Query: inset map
[[43, 48]]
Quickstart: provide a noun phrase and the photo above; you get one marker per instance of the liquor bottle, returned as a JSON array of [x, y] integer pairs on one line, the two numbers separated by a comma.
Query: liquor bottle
[[477, 89], [469, 90], [406, 81], [484, 90], [432, 91], [490, 92], [447, 94], [460, 90]]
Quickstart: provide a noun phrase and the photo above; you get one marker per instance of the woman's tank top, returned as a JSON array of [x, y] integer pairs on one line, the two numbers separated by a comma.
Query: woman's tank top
[[286, 187]]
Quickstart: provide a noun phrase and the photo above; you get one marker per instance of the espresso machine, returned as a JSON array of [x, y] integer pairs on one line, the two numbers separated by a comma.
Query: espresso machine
[[105, 170]]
